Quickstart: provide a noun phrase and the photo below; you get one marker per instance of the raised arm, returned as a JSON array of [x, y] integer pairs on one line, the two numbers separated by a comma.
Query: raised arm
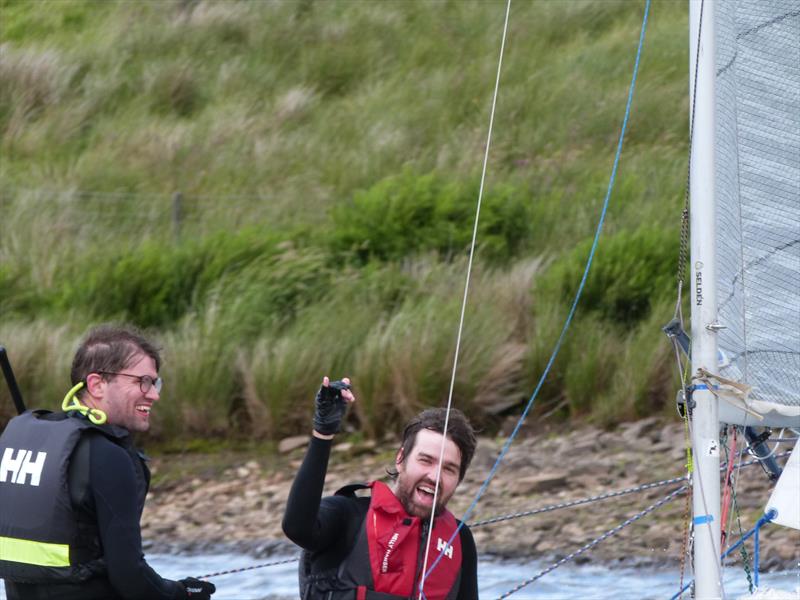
[[308, 521]]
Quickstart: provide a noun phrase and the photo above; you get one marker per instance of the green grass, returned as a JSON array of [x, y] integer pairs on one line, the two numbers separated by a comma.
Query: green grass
[[329, 155]]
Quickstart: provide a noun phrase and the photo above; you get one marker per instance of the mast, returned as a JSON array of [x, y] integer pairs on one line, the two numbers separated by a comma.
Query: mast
[[705, 419]]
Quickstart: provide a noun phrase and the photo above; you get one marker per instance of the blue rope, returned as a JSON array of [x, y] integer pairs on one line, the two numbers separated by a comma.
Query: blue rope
[[756, 552], [578, 294], [757, 543], [753, 532]]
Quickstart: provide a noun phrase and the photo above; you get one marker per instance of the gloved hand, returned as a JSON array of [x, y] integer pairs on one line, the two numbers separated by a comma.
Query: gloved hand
[[330, 407], [196, 589]]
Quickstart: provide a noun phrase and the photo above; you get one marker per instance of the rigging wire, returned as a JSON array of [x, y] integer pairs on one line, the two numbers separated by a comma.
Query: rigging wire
[[604, 496], [687, 513], [464, 300], [731, 488], [578, 293], [573, 503], [678, 314], [767, 518], [726, 518], [671, 496], [682, 371], [508, 517]]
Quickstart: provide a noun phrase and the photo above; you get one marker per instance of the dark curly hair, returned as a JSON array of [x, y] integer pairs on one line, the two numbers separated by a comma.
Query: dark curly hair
[[458, 429], [110, 348]]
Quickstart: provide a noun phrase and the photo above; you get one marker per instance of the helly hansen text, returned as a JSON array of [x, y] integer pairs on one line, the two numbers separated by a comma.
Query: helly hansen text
[[440, 543], [389, 549], [21, 466]]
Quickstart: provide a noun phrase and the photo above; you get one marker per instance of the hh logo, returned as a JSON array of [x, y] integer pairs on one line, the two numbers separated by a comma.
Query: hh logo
[[440, 543], [21, 466]]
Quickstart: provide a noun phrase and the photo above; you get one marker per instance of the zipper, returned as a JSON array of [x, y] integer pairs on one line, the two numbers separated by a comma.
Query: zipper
[[420, 557]]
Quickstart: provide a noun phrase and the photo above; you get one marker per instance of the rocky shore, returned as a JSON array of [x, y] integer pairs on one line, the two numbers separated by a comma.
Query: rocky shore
[[239, 505]]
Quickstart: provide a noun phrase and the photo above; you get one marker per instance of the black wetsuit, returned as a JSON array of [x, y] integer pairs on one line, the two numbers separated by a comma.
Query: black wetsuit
[[111, 497], [328, 526]]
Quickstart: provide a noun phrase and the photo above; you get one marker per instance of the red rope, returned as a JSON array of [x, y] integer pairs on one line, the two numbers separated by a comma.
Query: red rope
[[728, 489]]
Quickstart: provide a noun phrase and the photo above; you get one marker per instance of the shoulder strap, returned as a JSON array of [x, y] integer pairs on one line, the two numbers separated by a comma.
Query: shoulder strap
[[350, 490], [308, 583], [79, 467]]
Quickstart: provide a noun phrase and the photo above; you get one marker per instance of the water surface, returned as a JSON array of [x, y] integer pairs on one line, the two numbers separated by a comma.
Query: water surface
[[587, 582]]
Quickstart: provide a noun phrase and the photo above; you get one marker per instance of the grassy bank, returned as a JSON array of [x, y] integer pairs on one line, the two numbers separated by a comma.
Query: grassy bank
[[328, 158]]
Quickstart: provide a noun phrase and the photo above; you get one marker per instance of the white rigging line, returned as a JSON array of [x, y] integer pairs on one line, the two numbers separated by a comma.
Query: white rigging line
[[464, 300]]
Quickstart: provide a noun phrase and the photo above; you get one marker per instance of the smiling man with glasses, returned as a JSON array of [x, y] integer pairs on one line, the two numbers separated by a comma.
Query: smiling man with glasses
[[128, 397], [73, 486]]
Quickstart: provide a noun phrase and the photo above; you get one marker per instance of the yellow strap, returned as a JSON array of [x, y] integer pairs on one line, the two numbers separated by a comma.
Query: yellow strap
[[96, 416], [689, 463], [34, 553]]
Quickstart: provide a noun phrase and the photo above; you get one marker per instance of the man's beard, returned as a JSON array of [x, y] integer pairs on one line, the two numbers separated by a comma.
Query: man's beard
[[405, 492]]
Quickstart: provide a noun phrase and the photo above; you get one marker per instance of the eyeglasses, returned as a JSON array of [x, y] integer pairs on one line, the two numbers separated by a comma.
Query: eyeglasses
[[145, 381]]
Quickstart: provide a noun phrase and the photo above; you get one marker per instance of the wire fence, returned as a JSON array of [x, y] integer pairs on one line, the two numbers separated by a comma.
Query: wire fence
[[66, 213]]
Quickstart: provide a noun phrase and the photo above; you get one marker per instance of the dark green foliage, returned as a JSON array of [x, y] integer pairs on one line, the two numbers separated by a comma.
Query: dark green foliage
[[154, 285], [410, 214], [268, 293], [630, 272], [505, 223]]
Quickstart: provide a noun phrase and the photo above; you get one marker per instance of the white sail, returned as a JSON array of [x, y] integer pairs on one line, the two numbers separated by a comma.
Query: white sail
[[785, 499], [758, 207]]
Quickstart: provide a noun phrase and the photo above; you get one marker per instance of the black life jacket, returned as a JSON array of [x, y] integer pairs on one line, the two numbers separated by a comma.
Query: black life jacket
[[385, 560], [48, 533]]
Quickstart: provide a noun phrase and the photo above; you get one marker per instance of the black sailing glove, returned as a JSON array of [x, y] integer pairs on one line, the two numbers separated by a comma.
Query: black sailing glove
[[196, 589], [330, 407]]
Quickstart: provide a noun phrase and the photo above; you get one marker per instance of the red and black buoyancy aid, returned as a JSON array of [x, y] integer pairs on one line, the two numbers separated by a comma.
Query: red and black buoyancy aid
[[386, 560]]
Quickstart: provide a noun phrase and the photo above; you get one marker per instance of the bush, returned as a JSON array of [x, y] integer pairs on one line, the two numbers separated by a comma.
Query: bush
[[630, 271], [154, 284], [411, 214]]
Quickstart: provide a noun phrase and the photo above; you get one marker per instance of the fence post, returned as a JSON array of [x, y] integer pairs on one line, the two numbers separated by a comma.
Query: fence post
[[177, 206]]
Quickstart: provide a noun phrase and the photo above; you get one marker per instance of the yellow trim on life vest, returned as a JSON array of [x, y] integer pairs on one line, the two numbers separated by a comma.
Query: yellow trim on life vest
[[34, 553]]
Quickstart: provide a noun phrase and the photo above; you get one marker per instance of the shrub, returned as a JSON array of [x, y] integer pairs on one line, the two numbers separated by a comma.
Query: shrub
[[630, 271], [155, 284], [409, 214]]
